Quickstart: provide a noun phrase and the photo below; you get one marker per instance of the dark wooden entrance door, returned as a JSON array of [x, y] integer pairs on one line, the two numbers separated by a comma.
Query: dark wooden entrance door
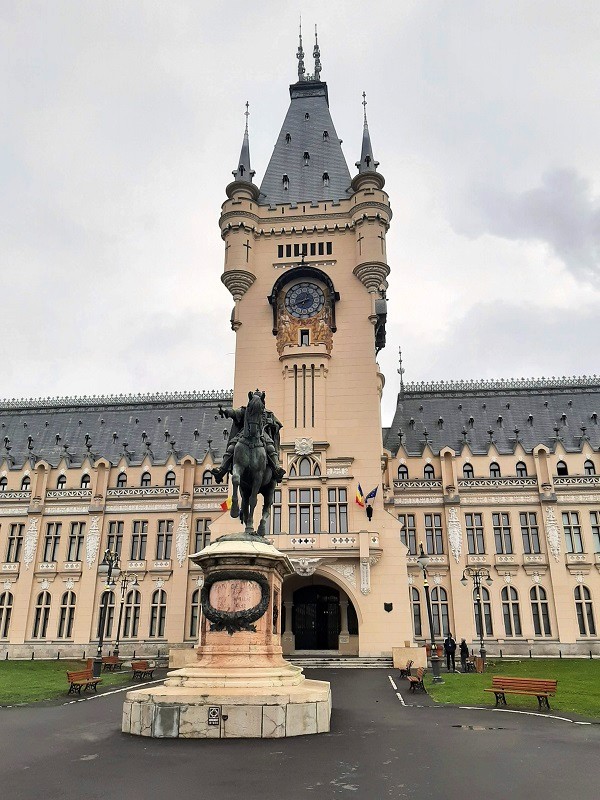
[[317, 618]]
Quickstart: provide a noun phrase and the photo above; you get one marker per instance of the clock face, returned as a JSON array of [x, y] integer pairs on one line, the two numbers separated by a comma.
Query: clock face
[[304, 300]]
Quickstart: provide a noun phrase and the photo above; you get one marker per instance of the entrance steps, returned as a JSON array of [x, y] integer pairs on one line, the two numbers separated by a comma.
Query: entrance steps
[[341, 662]]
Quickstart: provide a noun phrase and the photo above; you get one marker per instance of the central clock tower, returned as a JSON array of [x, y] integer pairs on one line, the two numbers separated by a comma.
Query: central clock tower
[[305, 262]]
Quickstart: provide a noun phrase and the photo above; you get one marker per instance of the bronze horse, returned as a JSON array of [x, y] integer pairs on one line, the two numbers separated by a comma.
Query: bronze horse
[[251, 474]]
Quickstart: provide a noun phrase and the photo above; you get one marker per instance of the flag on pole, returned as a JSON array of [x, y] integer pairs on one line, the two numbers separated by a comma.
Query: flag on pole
[[360, 498], [226, 504], [371, 495]]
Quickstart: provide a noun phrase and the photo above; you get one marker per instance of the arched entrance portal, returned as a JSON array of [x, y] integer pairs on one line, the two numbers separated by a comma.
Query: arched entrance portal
[[318, 616]]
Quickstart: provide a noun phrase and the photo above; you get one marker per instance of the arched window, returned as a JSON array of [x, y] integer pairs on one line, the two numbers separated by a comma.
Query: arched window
[[589, 468], [170, 478], [416, 611], [25, 484], [42, 613], [3, 484], [194, 614], [292, 473], [511, 612], [486, 607], [428, 472], [402, 472], [521, 469], [325, 179], [539, 611], [6, 603], [304, 467], [61, 482], [561, 468], [85, 481], [439, 611], [121, 480], [132, 614], [207, 478], [468, 471], [495, 470], [158, 614], [585, 612], [67, 615], [145, 481], [109, 597], [317, 471]]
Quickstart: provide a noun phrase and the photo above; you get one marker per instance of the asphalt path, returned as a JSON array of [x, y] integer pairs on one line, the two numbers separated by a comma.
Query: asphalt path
[[377, 748]]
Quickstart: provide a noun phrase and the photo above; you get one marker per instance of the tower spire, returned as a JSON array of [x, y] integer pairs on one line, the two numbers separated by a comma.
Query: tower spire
[[317, 57], [300, 55], [243, 171], [367, 163], [401, 372]]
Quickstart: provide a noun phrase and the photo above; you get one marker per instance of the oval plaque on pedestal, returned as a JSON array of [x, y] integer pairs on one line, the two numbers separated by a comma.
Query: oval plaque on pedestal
[[232, 600]]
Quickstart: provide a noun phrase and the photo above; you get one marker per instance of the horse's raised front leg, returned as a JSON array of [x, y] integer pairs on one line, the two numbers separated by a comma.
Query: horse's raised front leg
[[235, 482]]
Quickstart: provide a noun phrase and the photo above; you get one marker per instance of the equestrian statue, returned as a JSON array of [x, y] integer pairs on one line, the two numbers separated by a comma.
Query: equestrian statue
[[252, 458]]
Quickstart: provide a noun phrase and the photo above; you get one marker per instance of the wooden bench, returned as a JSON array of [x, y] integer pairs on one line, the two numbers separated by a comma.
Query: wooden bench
[[536, 687], [416, 681], [82, 680], [405, 671], [142, 669], [111, 663]]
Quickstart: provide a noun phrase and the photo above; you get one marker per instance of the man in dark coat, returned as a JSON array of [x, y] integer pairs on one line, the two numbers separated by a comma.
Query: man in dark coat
[[450, 650]]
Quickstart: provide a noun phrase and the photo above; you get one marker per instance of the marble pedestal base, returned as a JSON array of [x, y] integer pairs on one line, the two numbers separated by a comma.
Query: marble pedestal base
[[259, 712], [239, 685]]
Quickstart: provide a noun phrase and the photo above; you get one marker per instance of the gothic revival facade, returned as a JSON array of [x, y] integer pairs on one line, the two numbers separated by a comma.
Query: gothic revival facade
[[494, 474]]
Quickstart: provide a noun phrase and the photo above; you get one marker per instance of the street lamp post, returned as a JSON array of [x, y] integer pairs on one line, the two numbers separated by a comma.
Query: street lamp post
[[478, 574], [109, 567], [127, 579], [423, 562]]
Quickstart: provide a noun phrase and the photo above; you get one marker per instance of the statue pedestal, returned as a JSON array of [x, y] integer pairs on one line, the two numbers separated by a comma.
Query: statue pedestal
[[240, 685]]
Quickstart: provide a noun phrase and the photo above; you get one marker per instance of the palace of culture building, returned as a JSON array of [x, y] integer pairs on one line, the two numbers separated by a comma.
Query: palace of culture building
[[499, 474]]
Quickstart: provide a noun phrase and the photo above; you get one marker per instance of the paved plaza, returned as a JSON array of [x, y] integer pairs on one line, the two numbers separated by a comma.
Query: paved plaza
[[377, 748]]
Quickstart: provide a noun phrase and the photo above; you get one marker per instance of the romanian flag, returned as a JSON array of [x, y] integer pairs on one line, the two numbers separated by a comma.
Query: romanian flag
[[371, 495], [226, 504], [360, 498]]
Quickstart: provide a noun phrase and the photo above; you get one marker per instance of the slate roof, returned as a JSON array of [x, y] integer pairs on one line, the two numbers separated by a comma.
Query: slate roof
[[306, 183], [453, 414], [187, 419]]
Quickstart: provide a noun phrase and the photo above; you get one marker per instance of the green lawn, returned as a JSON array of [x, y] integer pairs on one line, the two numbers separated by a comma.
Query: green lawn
[[29, 681], [578, 688]]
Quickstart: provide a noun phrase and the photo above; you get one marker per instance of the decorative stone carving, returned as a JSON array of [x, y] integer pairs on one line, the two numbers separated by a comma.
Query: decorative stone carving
[[340, 472], [437, 579], [347, 571], [454, 534], [288, 328], [6, 585], [45, 584], [30, 543], [160, 582], [92, 542], [374, 559], [510, 499], [552, 532], [365, 576], [507, 577], [306, 566], [411, 579], [579, 577], [182, 538], [303, 446], [200, 581], [238, 281], [69, 583], [536, 577]]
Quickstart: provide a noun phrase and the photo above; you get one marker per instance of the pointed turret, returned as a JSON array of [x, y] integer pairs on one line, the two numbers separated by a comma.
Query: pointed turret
[[244, 173], [367, 164]]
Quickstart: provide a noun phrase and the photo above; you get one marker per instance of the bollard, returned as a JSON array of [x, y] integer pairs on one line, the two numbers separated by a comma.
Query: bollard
[[590, 654], [530, 654], [58, 656], [6, 656], [500, 653], [560, 653], [32, 655]]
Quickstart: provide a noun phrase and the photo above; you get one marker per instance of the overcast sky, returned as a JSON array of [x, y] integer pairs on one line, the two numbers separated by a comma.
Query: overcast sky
[[122, 121]]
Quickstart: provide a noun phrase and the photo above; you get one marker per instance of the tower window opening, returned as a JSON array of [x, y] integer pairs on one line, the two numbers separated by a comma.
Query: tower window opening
[[313, 249], [304, 249], [329, 248], [288, 250], [325, 179], [279, 251], [296, 249], [288, 138], [325, 135], [307, 115], [321, 248], [304, 338], [286, 182], [306, 158]]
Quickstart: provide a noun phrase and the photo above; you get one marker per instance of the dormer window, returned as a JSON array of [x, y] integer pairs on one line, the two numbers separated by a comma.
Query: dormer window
[[288, 138], [61, 482], [307, 115], [589, 468], [306, 158], [468, 471], [561, 468], [521, 470], [325, 135], [495, 470], [402, 472], [286, 183], [25, 484], [325, 179], [121, 480], [85, 481]]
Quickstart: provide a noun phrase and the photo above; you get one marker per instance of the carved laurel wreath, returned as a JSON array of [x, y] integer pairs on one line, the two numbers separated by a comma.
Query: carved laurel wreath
[[232, 621]]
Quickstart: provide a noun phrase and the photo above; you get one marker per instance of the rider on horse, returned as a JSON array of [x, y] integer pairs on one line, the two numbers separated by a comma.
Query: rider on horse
[[269, 435]]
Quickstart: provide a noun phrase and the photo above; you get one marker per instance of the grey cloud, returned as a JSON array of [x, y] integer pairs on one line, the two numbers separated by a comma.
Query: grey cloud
[[562, 212]]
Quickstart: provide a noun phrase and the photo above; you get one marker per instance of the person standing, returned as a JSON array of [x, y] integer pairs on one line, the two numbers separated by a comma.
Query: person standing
[[464, 654], [450, 650]]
